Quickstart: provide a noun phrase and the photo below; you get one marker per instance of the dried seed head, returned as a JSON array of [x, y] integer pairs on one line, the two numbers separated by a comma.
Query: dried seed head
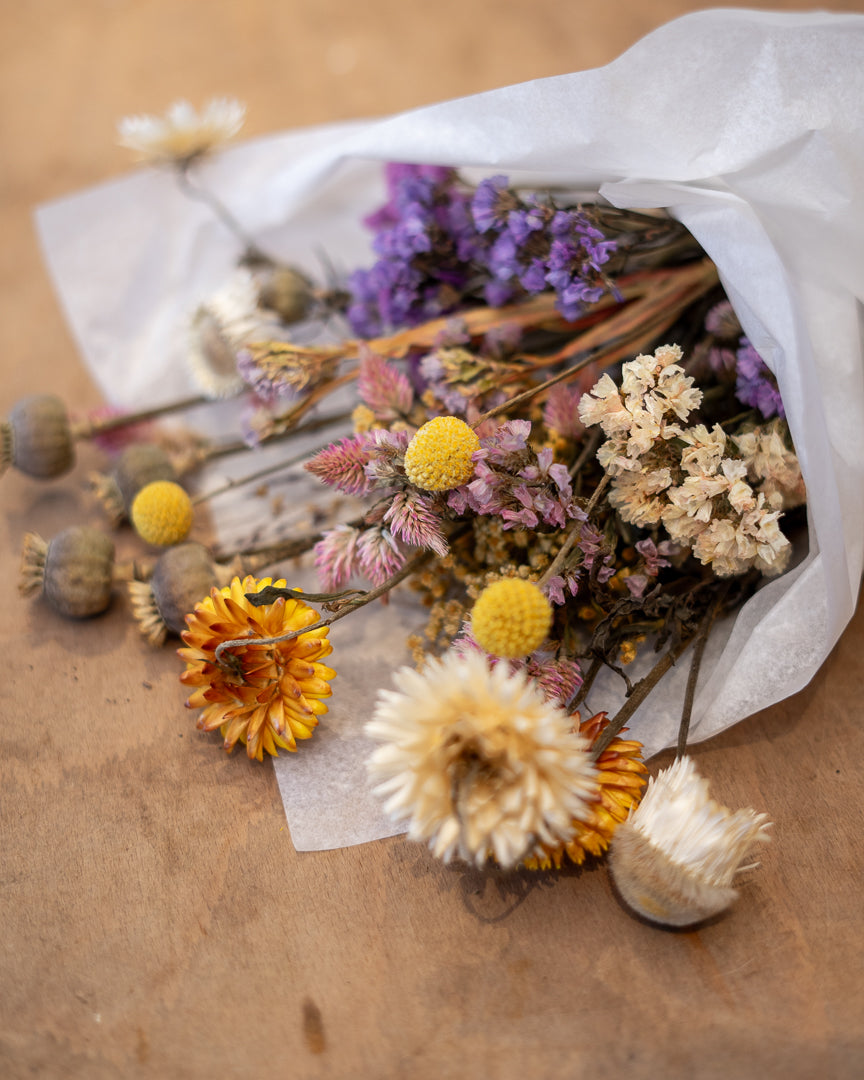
[[36, 438], [141, 464], [74, 570], [162, 513], [138, 465], [182, 578], [284, 290], [674, 859]]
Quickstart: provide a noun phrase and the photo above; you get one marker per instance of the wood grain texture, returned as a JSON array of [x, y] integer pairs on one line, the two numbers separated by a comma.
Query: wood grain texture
[[156, 919]]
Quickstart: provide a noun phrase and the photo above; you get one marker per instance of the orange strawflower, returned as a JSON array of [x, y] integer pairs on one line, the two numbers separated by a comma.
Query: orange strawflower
[[621, 776], [267, 696]]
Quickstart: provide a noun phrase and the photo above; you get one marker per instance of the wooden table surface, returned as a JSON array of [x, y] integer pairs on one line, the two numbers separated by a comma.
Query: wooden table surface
[[156, 920]]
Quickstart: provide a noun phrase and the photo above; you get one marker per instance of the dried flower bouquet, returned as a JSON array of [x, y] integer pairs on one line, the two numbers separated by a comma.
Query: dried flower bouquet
[[557, 433]]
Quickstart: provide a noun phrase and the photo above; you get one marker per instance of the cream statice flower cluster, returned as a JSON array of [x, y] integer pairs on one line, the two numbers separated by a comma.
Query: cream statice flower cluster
[[721, 497]]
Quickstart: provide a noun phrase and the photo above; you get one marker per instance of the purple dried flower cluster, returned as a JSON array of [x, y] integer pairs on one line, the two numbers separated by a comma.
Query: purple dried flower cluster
[[425, 241], [755, 385], [534, 246], [441, 244], [525, 489], [559, 679]]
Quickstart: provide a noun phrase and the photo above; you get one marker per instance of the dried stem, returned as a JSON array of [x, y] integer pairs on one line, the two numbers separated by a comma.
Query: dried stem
[[267, 596], [640, 692], [702, 636], [195, 190], [87, 429], [574, 536]]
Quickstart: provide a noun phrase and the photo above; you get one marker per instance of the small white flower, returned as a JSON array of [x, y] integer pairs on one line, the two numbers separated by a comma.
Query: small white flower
[[182, 135], [221, 327], [674, 859], [478, 761]]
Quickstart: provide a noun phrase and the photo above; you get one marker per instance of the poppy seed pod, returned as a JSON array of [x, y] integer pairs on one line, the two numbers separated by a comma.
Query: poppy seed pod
[[182, 577], [37, 439], [74, 571], [137, 466], [284, 290]]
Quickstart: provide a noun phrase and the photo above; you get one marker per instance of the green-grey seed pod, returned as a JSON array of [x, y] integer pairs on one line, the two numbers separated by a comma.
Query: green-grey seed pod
[[36, 438], [78, 572], [182, 578], [141, 464], [286, 291]]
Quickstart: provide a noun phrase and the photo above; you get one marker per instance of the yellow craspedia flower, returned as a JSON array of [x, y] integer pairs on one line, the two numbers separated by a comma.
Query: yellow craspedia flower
[[438, 458], [511, 618], [269, 695], [162, 513]]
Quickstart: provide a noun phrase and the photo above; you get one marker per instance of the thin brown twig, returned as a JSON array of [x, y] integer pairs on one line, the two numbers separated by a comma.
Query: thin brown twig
[[640, 692], [327, 620]]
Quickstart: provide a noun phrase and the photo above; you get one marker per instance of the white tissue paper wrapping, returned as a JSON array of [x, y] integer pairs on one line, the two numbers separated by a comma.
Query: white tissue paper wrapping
[[747, 126]]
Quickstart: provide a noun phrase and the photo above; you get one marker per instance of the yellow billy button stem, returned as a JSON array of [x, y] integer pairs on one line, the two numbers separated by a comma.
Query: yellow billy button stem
[[511, 618], [162, 513], [438, 458]]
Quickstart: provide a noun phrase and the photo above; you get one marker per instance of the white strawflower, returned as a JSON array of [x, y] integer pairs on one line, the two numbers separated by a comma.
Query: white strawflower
[[219, 328], [477, 761], [674, 859], [182, 134]]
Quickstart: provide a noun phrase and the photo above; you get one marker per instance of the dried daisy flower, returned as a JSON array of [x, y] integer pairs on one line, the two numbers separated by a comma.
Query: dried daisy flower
[[674, 859], [438, 457], [478, 760], [511, 618], [267, 696], [182, 135], [621, 777], [162, 513]]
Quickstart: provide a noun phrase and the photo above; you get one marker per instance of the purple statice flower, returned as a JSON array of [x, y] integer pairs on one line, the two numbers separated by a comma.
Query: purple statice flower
[[269, 391], [440, 246], [722, 322], [425, 238], [555, 587], [343, 465], [395, 174], [755, 385], [722, 361], [654, 555], [558, 679], [378, 554], [591, 545], [545, 494], [335, 556], [637, 584], [492, 203], [412, 519], [384, 389]]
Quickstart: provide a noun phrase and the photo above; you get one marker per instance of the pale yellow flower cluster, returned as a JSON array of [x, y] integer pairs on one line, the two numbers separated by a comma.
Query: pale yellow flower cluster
[[720, 496]]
